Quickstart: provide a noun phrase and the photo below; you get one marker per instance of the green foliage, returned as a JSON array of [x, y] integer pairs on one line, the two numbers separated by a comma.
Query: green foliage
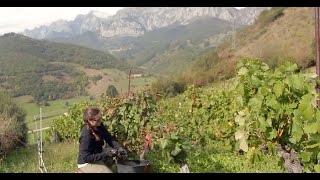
[[271, 107], [201, 115], [168, 88], [130, 120], [12, 124], [133, 120], [215, 157], [112, 91], [127, 118], [278, 106], [263, 108], [209, 160], [69, 126]]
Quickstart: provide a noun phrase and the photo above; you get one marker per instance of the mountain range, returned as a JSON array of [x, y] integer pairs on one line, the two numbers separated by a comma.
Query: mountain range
[[139, 20], [163, 40]]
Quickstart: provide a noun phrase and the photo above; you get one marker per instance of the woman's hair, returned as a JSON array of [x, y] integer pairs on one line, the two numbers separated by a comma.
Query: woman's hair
[[91, 113]]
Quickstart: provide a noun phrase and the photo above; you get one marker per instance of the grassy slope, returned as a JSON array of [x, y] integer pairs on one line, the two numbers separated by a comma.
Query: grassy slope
[[14, 44], [290, 36], [56, 108], [62, 158], [114, 77], [273, 40]]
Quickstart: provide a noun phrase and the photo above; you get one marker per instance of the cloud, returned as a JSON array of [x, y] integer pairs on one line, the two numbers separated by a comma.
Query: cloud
[[16, 19]]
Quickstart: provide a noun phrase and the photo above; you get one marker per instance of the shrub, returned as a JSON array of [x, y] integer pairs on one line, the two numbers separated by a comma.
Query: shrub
[[13, 130], [268, 16], [169, 88], [112, 91]]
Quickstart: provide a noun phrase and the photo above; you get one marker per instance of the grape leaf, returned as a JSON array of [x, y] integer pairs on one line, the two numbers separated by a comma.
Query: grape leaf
[[239, 101], [255, 103], [264, 91], [305, 101], [296, 82], [239, 134], [308, 113], [310, 75], [277, 88], [163, 143], [239, 120], [311, 128], [317, 168], [263, 124], [273, 134], [305, 156], [297, 132], [242, 71], [176, 151], [255, 80], [243, 145]]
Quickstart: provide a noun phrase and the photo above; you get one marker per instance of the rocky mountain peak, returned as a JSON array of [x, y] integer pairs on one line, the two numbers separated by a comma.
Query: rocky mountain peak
[[135, 21]]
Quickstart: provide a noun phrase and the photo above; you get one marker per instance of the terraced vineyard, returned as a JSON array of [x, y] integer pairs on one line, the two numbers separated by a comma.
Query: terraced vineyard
[[259, 115]]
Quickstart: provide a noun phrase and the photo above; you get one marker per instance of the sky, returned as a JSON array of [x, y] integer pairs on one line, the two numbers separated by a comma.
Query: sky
[[17, 19]]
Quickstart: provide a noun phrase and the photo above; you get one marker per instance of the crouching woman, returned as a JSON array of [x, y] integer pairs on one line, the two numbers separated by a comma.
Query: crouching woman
[[91, 152]]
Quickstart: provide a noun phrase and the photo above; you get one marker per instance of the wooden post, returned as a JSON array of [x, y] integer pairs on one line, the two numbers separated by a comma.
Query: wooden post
[[129, 82], [317, 36]]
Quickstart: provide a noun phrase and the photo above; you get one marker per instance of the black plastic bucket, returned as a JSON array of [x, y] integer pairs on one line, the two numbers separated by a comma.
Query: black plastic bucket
[[134, 166]]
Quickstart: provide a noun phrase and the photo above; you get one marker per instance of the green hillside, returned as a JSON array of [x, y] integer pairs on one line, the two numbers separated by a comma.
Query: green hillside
[[277, 36], [29, 67], [51, 52]]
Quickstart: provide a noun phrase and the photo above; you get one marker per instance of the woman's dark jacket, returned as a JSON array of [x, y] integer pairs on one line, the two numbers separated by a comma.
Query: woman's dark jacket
[[90, 150]]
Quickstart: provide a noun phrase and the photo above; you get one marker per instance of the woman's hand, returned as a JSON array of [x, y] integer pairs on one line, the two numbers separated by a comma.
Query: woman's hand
[[122, 153], [110, 151]]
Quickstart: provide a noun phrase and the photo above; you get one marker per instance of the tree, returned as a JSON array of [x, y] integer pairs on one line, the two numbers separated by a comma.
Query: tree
[[112, 91]]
